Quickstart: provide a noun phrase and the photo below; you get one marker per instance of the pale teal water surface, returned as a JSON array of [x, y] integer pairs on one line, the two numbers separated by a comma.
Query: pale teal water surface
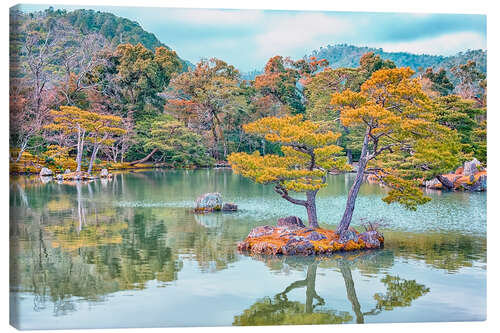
[[129, 252]]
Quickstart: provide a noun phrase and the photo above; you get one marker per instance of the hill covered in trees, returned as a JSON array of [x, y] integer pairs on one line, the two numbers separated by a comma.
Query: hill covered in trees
[[116, 30], [343, 55], [348, 56]]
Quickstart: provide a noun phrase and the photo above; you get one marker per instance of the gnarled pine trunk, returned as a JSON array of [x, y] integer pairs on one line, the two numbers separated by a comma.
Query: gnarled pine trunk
[[353, 192], [311, 209]]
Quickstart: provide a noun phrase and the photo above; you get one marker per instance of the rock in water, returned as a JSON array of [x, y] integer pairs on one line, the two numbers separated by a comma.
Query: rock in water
[[371, 238], [472, 167], [60, 177], [104, 173], [478, 185], [46, 172], [433, 183], [290, 221], [209, 202], [229, 207]]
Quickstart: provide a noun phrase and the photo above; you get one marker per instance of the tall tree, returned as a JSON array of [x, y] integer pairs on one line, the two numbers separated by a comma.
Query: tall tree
[[402, 140], [207, 96], [31, 97], [177, 143], [466, 118], [470, 78], [308, 152], [439, 81], [141, 75], [281, 80]]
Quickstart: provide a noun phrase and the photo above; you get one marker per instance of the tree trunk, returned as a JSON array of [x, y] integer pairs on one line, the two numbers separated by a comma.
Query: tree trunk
[[79, 151], [92, 158], [24, 144], [311, 287], [216, 138], [353, 192], [311, 209], [351, 291], [142, 160], [349, 156], [448, 184]]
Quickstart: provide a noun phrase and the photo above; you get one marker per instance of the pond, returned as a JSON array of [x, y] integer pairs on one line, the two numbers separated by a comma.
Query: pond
[[129, 252]]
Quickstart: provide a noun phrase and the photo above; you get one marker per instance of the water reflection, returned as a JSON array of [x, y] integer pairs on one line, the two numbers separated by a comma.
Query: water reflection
[[278, 310], [72, 243]]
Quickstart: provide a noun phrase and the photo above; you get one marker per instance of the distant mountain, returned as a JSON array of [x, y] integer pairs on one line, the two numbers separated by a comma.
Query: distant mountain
[[344, 55], [116, 30]]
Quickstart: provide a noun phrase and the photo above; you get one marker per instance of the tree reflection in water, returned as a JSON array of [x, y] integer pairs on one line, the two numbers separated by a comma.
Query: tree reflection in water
[[280, 311]]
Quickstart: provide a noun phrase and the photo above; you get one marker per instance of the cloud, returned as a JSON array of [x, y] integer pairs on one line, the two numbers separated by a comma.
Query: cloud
[[303, 30], [446, 44], [216, 16]]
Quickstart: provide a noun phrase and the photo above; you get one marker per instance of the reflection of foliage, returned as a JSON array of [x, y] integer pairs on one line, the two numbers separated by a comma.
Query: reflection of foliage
[[267, 311], [144, 254], [69, 238], [444, 251], [400, 293], [280, 311]]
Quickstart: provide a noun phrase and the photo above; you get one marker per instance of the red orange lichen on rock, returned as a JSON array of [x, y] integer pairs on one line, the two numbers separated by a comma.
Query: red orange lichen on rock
[[299, 240]]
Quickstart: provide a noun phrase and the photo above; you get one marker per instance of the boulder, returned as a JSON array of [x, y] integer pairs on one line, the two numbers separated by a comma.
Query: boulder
[[348, 235], [371, 239], [260, 231], [67, 171], [298, 245], [104, 173], [472, 167], [60, 177], [478, 185], [46, 172], [265, 248], [229, 207], [433, 183], [209, 202], [315, 236], [290, 222], [243, 246]]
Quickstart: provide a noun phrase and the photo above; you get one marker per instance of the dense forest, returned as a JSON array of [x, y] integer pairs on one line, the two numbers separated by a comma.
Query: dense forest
[[91, 90]]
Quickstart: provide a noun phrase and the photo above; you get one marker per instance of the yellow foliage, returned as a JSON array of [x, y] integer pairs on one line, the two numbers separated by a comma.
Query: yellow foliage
[[308, 153], [403, 140]]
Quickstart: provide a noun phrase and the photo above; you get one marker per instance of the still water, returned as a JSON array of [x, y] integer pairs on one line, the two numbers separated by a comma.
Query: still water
[[128, 252]]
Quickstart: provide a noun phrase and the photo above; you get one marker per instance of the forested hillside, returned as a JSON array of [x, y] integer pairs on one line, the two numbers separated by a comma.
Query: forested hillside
[[343, 55], [116, 30]]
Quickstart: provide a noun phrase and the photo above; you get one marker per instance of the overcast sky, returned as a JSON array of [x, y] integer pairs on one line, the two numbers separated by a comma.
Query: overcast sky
[[248, 38]]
